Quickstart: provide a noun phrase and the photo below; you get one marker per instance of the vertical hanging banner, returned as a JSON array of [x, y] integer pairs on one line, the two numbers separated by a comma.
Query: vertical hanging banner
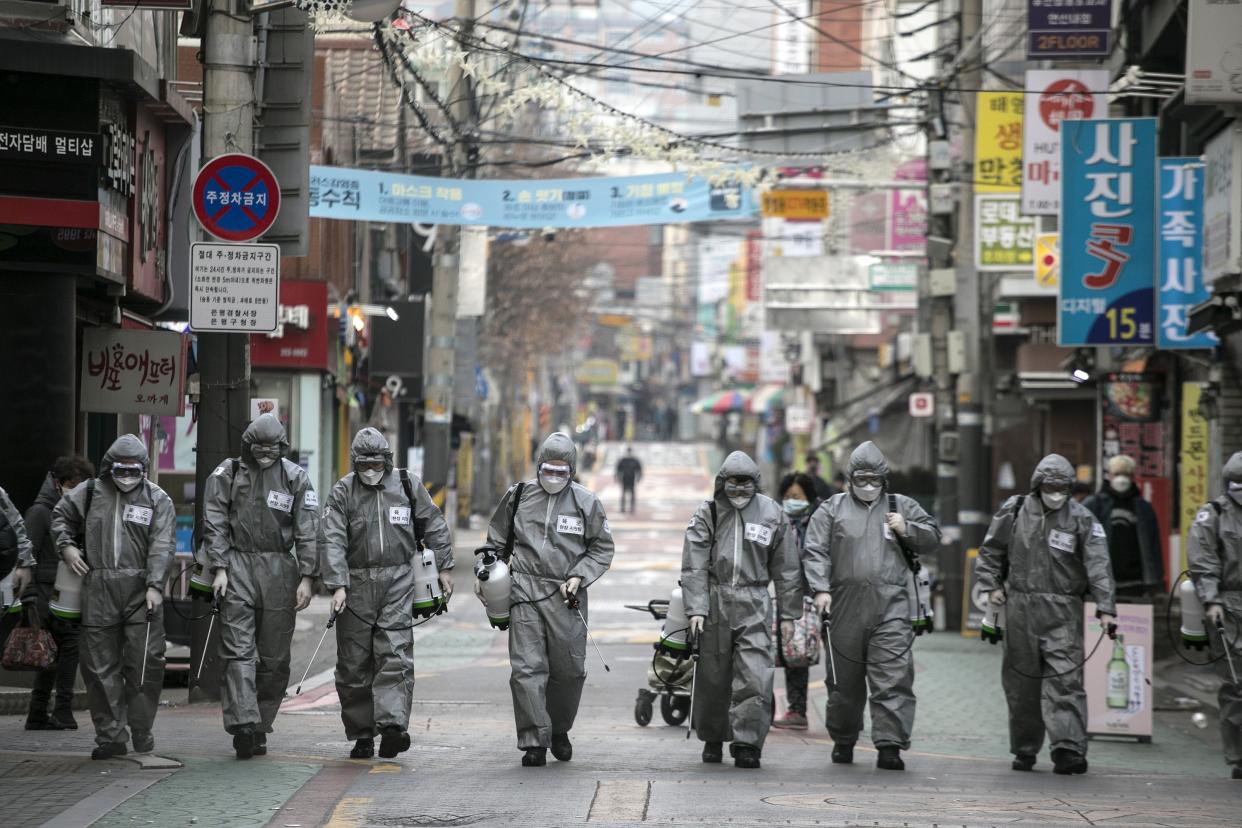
[[998, 142], [1108, 249], [1181, 253], [1193, 457], [1063, 95]]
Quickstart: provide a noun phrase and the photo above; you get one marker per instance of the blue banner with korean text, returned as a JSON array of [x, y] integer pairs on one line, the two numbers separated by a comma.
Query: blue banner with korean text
[[1181, 253], [1108, 238], [364, 195]]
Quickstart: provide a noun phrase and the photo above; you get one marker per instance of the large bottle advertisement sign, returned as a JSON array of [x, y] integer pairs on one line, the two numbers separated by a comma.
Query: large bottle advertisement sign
[[1118, 675]]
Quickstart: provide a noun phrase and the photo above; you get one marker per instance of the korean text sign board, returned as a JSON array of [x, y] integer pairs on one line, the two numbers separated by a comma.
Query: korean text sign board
[[1180, 277], [234, 288], [1062, 95], [1004, 238], [54, 146], [1117, 677], [801, 205], [1132, 422], [363, 195], [998, 141], [133, 371], [1214, 52], [1193, 457], [300, 340], [1068, 29], [1108, 244], [236, 197], [1222, 191]]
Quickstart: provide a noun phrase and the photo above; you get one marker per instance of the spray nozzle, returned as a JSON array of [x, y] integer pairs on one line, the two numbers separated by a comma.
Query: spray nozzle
[[571, 601], [215, 604], [1112, 631], [332, 618], [150, 615]]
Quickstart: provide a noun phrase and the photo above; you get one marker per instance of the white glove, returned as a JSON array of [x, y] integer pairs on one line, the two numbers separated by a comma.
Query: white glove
[[997, 596], [22, 576], [338, 599], [897, 523], [1215, 613], [306, 589], [220, 583], [74, 559], [696, 625], [155, 597], [446, 584], [823, 602]]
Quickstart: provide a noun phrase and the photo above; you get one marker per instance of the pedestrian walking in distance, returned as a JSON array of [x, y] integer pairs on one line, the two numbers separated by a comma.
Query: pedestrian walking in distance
[[117, 531], [369, 536], [561, 545], [629, 472], [737, 544], [261, 537]]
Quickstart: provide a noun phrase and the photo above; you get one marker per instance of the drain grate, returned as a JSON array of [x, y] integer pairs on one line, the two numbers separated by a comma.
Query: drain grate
[[430, 820], [26, 768]]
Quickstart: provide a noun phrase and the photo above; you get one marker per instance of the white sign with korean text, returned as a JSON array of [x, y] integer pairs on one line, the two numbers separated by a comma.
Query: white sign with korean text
[[132, 372], [234, 288], [1222, 227], [1214, 52], [1063, 95]]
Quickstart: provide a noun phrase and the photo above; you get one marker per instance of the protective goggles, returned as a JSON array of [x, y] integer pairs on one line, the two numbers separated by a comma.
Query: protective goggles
[[1055, 487], [265, 451], [553, 472], [127, 471], [867, 479], [739, 487], [364, 464], [1235, 486]]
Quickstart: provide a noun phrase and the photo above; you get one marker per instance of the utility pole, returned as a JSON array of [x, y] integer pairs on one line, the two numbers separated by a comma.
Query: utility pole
[[223, 358], [974, 465], [438, 394]]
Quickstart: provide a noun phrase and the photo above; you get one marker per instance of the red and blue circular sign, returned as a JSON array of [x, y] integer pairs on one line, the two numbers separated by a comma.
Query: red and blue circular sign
[[236, 197]]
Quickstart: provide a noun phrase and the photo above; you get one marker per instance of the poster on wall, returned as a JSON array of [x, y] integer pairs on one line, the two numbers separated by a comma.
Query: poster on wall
[[1214, 52], [998, 142], [1118, 676], [1130, 421], [1063, 95]]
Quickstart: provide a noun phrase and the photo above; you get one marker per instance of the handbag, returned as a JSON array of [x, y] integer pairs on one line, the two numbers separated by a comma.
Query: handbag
[[29, 647], [802, 648]]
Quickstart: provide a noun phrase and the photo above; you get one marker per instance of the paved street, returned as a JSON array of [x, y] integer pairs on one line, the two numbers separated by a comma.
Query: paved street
[[464, 768]]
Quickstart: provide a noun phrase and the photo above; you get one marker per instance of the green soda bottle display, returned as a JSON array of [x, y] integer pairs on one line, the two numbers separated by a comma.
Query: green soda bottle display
[[1118, 677]]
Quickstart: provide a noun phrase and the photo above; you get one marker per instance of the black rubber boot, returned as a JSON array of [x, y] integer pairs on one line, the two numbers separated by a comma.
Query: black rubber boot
[[890, 759], [713, 752], [363, 749], [535, 757], [746, 756], [393, 740], [562, 748], [62, 719], [1023, 762], [1237, 772], [842, 754], [143, 742], [1066, 762], [260, 744], [243, 742], [109, 751], [36, 723]]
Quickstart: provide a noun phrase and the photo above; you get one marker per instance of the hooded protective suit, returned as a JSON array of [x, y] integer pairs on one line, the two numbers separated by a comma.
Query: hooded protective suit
[[367, 542], [130, 541], [1214, 550], [556, 537], [12, 517], [262, 527], [725, 572], [1046, 562], [852, 554]]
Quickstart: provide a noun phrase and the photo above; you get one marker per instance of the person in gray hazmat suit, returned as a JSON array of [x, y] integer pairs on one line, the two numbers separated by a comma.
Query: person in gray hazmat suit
[[118, 532], [561, 540], [1214, 550], [857, 561], [261, 537], [369, 537], [1042, 554], [736, 544]]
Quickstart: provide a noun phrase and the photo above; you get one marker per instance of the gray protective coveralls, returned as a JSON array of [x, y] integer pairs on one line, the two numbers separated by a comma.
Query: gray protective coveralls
[[556, 537], [1046, 562], [367, 544], [1214, 550], [130, 541], [852, 554], [262, 527], [725, 572], [25, 551]]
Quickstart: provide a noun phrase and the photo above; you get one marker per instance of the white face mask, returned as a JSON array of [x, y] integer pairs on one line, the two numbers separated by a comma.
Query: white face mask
[[371, 478], [265, 462], [741, 502], [1235, 492], [1053, 501], [866, 493], [127, 485], [1120, 483], [553, 484]]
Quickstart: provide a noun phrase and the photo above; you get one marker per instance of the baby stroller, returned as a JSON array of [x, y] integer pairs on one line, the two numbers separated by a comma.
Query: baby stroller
[[668, 677]]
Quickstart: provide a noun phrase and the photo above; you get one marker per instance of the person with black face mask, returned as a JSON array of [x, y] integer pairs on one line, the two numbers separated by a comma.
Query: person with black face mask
[[1133, 531], [562, 544]]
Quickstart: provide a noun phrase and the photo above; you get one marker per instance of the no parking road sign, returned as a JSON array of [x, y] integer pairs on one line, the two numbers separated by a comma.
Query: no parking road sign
[[236, 197]]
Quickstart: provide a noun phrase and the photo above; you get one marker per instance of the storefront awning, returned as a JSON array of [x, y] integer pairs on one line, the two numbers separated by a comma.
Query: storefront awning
[[765, 398], [720, 402]]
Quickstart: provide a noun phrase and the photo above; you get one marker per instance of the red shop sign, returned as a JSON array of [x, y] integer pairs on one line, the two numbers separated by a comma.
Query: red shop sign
[[301, 338]]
